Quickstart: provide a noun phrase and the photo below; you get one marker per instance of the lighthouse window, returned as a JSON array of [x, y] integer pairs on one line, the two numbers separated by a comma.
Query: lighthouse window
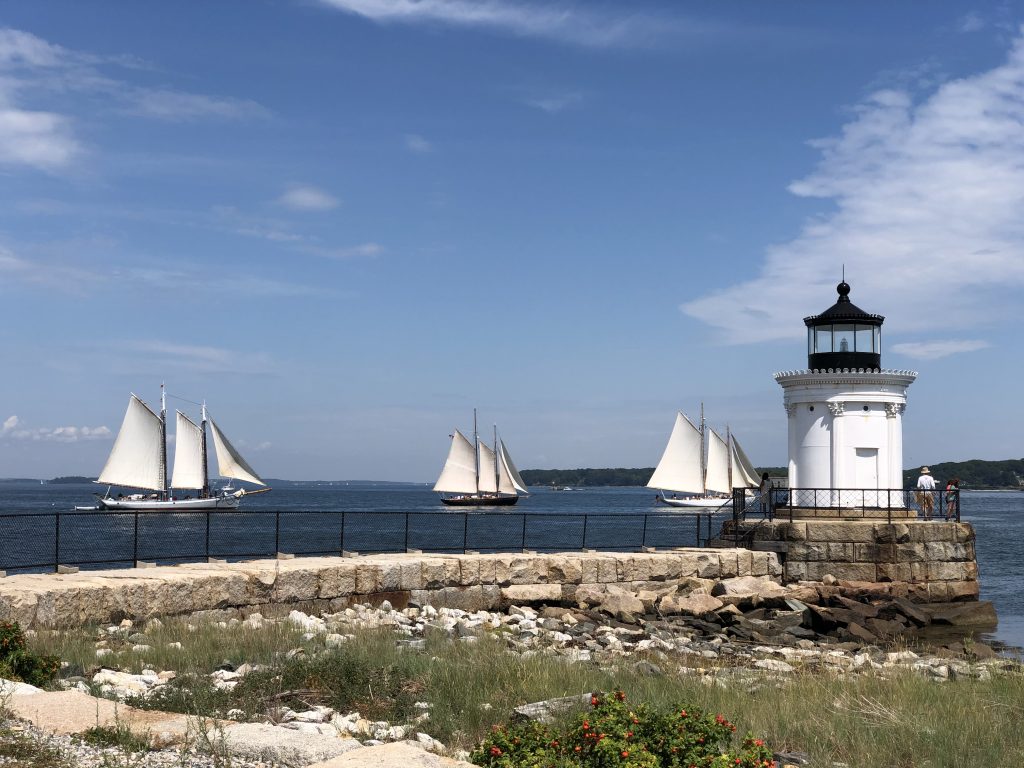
[[865, 338], [843, 338], [865, 407]]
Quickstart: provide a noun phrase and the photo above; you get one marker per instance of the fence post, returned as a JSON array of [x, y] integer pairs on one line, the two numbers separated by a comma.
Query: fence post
[[524, 531], [465, 532], [341, 535], [277, 532], [585, 518], [958, 505], [406, 531], [643, 536], [135, 542], [697, 544], [208, 534], [56, 544]]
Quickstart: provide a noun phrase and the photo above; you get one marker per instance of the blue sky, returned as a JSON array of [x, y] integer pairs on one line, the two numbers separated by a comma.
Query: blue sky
[[345, 223]]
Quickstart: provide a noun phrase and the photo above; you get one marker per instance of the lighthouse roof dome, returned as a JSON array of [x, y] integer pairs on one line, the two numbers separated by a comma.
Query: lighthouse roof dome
[[844, 310]]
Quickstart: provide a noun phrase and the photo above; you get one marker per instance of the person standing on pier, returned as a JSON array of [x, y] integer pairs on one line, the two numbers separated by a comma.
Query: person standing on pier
[[926, 492]]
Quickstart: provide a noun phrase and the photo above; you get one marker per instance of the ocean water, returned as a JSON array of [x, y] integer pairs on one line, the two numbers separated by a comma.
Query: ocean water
[[388, 516]]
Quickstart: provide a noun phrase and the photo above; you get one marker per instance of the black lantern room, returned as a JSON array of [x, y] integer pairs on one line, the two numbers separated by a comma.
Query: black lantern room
[[844, 336]]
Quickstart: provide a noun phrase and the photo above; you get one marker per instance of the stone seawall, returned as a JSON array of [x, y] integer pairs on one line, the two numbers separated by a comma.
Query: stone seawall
[[469, 582], [926, 561]]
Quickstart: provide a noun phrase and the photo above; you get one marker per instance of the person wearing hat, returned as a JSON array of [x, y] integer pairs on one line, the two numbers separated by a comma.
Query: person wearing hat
[[926, 492]]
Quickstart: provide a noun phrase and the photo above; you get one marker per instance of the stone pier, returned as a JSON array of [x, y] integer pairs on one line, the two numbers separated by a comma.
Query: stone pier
[[469, 582], [926, 561]]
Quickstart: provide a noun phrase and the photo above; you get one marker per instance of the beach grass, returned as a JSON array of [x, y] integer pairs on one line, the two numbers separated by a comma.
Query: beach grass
[[900, 719]]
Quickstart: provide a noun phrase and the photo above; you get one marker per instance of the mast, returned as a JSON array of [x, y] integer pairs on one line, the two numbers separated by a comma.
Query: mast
[[497, 477], [206, 472], [476, 448], [163, 441], [703, 462], [728, 445]]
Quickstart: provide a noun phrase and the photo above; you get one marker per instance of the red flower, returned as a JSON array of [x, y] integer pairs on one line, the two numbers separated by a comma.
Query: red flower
[[495, 751], [594, 701], [625, 753]]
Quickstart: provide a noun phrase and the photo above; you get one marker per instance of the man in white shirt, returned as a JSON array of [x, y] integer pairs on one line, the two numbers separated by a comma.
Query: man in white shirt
[[926, 492]]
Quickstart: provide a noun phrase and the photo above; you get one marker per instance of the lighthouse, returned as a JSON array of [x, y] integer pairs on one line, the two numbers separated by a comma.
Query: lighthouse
[[845, 412]]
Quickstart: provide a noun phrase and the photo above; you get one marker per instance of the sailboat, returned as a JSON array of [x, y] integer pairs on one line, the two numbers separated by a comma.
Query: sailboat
[[477, 475], [139, 460], [682, 468]]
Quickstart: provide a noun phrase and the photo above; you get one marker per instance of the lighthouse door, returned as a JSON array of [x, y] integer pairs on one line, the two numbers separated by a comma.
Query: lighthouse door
[[866, 473]]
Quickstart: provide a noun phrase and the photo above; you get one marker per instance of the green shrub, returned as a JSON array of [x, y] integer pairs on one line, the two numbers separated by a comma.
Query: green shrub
[[19, 663], [614, 735]]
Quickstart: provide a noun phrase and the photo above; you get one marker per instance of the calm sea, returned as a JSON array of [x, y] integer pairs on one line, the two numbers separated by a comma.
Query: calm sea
[[377, 515]]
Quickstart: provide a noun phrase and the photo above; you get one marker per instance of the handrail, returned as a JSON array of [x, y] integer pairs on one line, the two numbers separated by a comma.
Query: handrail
[[32, 542]]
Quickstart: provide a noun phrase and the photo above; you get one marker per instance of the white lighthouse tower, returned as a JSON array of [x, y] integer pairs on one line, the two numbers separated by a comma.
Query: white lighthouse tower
[[845, 411]]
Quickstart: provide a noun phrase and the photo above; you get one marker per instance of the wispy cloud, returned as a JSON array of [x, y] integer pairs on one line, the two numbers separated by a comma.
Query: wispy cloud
[[195, 358], [33, 70], [555, 102], [303, 197], [563, 22], [971, 22], [364, 250], [932, 350], [927, 220], [179, 106], [417, 144], [9, 423]]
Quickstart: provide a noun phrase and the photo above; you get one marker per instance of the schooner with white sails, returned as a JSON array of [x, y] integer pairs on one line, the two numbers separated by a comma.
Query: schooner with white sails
[[138, 461], [683, 469], [477, 475]]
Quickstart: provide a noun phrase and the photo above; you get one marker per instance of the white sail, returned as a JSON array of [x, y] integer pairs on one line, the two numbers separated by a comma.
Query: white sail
[[229, 462], [743, 473], [717, 476], [189, 470], [680, 465], [488, 470], [510, 481], [459, 473], [135, 459]]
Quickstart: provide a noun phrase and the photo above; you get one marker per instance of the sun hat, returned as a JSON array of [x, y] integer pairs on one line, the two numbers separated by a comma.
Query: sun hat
[[925, 471]]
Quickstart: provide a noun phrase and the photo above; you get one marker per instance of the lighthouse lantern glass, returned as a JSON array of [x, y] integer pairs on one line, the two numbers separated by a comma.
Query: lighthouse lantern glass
[[823, 338], [865, 339], [843, 338]]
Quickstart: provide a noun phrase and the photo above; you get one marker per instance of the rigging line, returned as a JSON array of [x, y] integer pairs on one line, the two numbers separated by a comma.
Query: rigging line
[[183, 399]]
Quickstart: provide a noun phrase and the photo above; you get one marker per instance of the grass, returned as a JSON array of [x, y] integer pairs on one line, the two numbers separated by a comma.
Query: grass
[[904, 719]]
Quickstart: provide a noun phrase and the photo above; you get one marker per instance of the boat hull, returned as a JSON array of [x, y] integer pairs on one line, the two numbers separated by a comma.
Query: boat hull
[[168, 505], [696, 503], [479, 501]]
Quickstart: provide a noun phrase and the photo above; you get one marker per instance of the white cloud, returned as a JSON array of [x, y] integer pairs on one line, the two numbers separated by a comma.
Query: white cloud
[[303, 197], [9, 423], [41, 140], [928, 199], [561, 22], [57, 434], [933, 350], [418, 144]]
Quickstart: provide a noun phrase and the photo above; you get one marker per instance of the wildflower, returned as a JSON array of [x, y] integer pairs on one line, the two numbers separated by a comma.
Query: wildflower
[[625, 753], [495, 751]]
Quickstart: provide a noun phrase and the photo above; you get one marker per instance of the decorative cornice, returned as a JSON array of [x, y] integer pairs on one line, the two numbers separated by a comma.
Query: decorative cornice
[[790, 409], [836, 409], [846, 376]]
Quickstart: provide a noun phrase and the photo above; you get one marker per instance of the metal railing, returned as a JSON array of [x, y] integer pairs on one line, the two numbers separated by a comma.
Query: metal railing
[[34, 542], [861, 503]]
